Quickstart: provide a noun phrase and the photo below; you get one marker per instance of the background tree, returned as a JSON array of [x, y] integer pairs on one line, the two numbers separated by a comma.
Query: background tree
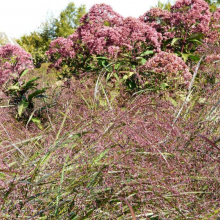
[[37, 42], [214, 4], [164, 6], [69, 20]]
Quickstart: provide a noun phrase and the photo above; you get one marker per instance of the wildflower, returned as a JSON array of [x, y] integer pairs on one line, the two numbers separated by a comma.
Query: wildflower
[[192, 15], [170, 64], [13, 60]]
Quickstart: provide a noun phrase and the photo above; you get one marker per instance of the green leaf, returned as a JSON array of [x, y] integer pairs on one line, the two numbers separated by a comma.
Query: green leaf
[[194, 57], [205, 187], [195, 40], [103, 58], [185, 56], [30, 82], [100, 156], [116, 76], [30, 118], [143, 61], [147, 53], [2, 176], [103, 63], [172, 101], [164, 85], [166, 42], [125, 77], [196, 36], [24, 72], [37, 121], [34, 94], [14, 87], [22, 106], [174, 41], [109, 75], [116, 66]]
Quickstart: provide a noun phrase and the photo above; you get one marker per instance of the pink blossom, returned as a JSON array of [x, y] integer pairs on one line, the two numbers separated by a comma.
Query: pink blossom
[[113, 51], [168, 63], [192, 15], [13, 60], [213, 34], [158, 19]]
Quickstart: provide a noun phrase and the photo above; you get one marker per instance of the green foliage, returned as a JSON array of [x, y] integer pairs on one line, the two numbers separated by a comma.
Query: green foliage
[[69, 20], [214, 4], [185, 47], [2, 41], [164, 6], [37, 42], [22, 95]]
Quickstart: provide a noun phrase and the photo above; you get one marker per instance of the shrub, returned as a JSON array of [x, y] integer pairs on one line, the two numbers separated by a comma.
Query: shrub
[[184, 27], [190, 17]]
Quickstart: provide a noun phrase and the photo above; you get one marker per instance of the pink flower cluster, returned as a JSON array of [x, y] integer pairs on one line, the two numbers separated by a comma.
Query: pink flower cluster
[[158, 19], [214, 33], [193, 15], [156, 14], [104, 32], [209, 48], [140, 32], [13, 60], [169, 64], [60, 48], [212, 58], [97, 40], [186, 17], [216, 17], [101, 14]]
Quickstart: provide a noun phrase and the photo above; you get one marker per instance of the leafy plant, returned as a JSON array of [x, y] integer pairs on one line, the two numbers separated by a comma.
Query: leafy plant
[[22, 96]]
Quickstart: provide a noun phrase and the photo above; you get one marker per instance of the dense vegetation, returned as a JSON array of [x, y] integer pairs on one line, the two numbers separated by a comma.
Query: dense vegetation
[[121, 123], [37, 42]]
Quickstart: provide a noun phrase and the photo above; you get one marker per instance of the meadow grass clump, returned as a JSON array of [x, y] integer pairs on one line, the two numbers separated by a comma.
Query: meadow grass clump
[[102, 155], [97, 158]]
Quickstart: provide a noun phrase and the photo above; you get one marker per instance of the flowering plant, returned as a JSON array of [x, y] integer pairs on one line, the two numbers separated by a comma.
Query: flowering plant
[[184, 27], [128, 43], [14, 63], [103, 33], [189, 17], [13, 60]]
